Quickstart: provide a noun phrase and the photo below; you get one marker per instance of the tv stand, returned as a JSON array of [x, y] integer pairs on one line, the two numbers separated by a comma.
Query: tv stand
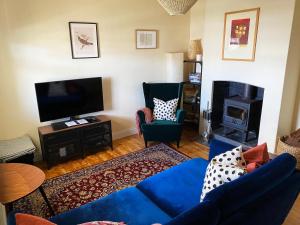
[[59, 145]]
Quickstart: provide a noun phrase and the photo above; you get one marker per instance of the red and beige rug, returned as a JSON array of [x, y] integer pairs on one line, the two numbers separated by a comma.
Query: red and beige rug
[[77, 188]]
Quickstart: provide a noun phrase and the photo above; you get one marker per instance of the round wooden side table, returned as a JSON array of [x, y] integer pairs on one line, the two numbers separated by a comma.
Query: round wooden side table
[[19, 180]]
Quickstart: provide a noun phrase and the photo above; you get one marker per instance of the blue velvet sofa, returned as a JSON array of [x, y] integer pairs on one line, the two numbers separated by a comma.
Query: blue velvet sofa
[[263, 197]]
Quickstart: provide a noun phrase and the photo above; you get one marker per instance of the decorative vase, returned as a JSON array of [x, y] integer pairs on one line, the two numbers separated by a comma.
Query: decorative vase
[[194, 49]]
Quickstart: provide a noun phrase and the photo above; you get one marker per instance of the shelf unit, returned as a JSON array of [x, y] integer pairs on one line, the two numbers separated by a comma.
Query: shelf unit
[[195, 65], [192, 97]]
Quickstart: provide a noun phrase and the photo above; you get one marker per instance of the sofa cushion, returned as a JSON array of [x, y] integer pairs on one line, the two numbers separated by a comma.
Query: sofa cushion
[[26, 219], [177, 189], [223, 168], [103, 223], [256, 156], [129, 205], [232, 157], [232, 196], [219, 174], [205, 213]]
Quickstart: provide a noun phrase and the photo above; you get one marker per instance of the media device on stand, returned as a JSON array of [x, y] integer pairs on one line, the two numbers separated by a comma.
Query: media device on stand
[[69, 98]]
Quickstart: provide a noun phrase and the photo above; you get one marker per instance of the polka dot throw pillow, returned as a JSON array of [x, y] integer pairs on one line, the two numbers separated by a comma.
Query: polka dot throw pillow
[[232, 157], [165, 110], [222, 169]]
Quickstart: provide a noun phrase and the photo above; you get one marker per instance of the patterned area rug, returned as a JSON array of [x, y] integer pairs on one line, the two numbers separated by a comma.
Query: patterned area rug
[[77, 188]]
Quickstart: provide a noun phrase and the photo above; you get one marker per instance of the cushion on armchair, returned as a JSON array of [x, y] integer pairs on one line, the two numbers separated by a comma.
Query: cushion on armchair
[[165, 110]]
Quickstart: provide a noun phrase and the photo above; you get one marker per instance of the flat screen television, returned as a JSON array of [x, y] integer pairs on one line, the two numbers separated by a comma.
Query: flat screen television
[[68, 98]]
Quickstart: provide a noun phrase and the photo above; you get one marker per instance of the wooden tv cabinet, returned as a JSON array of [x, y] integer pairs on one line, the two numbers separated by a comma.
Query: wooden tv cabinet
[[77, 141]]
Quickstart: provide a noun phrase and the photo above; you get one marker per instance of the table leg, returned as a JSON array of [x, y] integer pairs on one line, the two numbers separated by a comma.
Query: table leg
[[9, 207], [47, 201]]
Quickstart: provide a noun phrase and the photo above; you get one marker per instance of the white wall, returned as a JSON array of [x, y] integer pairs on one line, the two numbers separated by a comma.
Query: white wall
[[297, 110], [3, 55], [197, 20], [268, 70], [296, 27], [297, 121], [39, 50], [289, 97]]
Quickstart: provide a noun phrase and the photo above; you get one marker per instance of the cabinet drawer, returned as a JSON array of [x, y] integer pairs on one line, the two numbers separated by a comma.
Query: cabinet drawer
[[61, 137], [96, 129]]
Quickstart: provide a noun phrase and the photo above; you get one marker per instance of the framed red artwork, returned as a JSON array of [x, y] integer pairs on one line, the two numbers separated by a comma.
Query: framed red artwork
[[240, 35]]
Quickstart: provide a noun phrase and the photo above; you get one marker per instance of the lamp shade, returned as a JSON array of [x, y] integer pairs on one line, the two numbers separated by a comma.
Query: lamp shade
[[177, 7], [195, 48], [175, 67]]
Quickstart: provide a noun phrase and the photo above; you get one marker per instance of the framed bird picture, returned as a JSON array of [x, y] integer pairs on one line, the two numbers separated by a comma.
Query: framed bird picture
[[84, 40]]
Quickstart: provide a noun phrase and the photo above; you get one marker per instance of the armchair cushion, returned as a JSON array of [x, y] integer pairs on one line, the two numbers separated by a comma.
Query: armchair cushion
[[164, 122], [163, 130], [180, 114]]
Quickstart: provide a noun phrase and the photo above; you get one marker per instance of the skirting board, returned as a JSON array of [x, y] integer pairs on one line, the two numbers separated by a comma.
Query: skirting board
[[124, 133]]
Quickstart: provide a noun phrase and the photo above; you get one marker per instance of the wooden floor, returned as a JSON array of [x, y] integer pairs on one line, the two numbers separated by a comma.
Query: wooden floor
[[123, 146]]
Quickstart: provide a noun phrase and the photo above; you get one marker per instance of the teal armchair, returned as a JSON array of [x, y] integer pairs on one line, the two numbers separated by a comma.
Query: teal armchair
[[162, 130]]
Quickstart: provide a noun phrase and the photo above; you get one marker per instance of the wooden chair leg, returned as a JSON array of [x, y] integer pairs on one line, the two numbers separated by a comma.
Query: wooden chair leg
[[178, 143], [146, 143]]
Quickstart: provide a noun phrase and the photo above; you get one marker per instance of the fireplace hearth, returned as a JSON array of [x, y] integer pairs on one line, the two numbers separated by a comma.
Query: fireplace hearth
[[236, 112]]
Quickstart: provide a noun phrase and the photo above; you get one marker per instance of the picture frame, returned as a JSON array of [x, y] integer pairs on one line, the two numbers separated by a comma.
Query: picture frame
[[240, 35], [84, 40], [146, 39]]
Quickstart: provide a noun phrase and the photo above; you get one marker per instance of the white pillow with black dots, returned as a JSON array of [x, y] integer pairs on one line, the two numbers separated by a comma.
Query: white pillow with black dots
[[222, 169], [165, 110]]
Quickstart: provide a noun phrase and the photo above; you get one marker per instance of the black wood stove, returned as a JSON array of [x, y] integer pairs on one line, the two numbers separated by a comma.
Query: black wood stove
[[242, 113]]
